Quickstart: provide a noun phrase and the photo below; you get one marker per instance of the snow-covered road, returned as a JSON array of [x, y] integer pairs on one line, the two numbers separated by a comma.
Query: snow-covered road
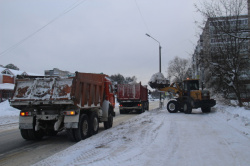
[[160, 138]]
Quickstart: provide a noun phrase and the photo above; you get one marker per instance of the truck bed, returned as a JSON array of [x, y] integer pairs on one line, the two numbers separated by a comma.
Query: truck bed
[[135, 92], [84, 90]]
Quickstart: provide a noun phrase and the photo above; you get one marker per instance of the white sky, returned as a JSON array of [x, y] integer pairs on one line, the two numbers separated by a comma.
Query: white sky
[[98, 35]]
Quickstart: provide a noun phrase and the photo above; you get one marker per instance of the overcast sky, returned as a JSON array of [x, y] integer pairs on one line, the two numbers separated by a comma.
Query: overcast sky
[[96, 36]]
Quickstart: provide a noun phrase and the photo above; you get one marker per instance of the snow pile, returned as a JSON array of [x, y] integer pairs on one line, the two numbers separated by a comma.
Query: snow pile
[[8, 116], [7, 110], [158, 81], [158, 78], [237, 117]]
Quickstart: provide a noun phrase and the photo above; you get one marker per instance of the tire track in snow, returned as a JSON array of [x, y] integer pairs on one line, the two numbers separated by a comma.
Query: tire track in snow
[[130, 148]]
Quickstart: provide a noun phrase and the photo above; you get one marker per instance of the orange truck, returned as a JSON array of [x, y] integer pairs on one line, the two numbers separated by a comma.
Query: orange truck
[[77, 104]]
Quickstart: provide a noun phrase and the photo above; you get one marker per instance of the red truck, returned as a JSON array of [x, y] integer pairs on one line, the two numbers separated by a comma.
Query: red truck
[[52, 104], [132, 97]]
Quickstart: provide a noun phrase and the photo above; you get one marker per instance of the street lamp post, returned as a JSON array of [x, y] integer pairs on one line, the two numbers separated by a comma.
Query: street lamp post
[[160, 104]]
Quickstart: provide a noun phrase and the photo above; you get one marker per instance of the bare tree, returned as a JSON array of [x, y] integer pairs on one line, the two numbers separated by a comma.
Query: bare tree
[[177, 69], [226, 45]]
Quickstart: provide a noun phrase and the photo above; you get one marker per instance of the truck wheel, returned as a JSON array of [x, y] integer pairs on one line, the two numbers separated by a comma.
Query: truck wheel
[[82, 132], [206, 109], [25, 134], [51, 132], [71, 135], [122, 112], [172, 106], [35, 135], [138, 111], [109, 123], [187, 108], [93, 124]]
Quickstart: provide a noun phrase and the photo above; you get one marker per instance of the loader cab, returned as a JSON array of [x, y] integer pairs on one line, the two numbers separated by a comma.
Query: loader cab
[[190, 85]]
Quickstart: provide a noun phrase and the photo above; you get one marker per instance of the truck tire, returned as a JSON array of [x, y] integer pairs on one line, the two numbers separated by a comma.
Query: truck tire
[[93, 124], [122, 111], [71, 135], [35, 135], [24, 134], [187, 108], [82, 132], [206, 109], [108, 124], [51, 132], [172, 106]]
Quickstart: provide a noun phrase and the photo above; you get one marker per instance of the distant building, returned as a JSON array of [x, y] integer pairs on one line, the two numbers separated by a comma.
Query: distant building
[[211, 40], [57, 72]]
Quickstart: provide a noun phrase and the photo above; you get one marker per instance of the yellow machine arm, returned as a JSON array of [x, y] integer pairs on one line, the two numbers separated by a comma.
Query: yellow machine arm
[[174, 88]]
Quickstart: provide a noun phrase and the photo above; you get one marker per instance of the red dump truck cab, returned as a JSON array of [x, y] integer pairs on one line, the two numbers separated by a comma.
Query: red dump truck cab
[[52, 104], [132, 97]]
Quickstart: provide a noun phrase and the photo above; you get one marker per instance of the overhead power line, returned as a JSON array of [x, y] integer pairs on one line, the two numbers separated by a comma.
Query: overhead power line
[[143, 20], [67, 10]]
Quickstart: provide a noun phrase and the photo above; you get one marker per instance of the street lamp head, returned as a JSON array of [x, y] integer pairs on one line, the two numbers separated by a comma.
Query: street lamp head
[[148, 35]]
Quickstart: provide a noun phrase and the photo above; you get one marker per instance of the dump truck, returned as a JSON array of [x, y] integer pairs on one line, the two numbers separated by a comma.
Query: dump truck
[[187, 95], [132, 97], [76, 104]]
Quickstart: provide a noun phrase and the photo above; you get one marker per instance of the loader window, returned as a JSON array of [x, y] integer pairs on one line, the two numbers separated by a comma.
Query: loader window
[[191, 85], [194, 85]]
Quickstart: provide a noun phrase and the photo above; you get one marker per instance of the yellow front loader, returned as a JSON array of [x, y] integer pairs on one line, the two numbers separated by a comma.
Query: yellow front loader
[[187, 96]]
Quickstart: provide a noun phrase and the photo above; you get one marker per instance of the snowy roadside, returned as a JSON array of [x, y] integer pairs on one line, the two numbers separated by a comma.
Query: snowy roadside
[[9, 116], [153, 138]]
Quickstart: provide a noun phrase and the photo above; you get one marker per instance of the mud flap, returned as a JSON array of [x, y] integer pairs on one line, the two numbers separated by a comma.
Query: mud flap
[[26, 122], [105, 109], [71, 121]]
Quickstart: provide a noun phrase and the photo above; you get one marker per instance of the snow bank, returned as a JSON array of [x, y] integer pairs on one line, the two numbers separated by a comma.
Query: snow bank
[[7, 110], [237, 117], [160, 138], [9, 116]]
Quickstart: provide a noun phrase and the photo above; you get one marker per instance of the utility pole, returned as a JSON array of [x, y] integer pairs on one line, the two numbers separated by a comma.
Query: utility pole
[[160, 104]]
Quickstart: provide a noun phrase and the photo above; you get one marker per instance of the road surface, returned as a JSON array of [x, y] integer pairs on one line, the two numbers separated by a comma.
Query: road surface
[[16, 151]]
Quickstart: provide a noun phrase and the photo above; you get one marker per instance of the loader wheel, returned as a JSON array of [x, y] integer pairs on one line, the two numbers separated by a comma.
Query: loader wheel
[[82, 132], [108, 124], [206, 109], [172, 106], [94, 124], [187, 108]]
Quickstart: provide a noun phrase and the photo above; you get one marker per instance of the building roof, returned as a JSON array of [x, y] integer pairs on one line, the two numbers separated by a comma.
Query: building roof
[[18, 72]]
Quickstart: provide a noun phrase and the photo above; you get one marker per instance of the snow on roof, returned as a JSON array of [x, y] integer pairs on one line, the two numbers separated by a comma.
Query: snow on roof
[[7, 86], [19, 72], [34, 74], [3, 69]]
